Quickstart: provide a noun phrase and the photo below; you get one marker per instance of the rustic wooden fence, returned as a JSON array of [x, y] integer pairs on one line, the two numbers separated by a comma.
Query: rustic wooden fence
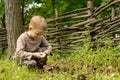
[[71, 28]]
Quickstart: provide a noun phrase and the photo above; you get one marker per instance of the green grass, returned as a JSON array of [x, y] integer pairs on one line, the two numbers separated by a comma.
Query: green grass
[[102, 63]]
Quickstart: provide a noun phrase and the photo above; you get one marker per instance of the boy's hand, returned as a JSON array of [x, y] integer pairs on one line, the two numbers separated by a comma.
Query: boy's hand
[[42, 54], [47, 52], [39, 55]]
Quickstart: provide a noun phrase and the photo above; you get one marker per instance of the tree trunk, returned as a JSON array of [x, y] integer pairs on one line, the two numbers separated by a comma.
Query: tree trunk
[[14, 25]]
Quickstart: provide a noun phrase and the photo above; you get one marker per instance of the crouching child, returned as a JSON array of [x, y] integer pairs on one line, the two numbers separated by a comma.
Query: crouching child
[[32, 47]]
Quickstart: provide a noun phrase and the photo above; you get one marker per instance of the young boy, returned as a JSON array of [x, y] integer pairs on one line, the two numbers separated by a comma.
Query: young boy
[[32, 47]]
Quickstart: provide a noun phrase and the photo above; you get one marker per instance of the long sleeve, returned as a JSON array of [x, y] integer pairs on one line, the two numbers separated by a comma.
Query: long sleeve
[[45, 44], [20, 49], [26, 46]]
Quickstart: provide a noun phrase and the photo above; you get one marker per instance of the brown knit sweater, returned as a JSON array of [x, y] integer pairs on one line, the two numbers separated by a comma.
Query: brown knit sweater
[[26, 45]]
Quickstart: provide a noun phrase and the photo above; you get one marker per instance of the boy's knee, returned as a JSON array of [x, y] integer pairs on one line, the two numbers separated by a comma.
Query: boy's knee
[[31, 63]]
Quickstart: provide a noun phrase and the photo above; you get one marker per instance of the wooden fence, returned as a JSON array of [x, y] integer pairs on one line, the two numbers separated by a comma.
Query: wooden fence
[[71, 28]]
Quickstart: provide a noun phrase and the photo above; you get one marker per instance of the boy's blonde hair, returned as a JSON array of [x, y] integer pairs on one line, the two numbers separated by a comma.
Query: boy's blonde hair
[[38, 22]]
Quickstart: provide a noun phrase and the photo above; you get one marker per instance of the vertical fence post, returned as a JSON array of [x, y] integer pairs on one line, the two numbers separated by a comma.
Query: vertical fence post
[[113, 12], [90, 7], [90, 13], [57, 35], [112, 17], [56, 13]]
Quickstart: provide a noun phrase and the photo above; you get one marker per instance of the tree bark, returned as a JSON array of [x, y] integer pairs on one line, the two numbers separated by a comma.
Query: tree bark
[[14, 24]]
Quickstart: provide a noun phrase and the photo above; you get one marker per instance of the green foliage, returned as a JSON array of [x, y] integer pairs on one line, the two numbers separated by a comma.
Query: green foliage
[[2, 9], [100, 63], [48, 7], [11, 71]]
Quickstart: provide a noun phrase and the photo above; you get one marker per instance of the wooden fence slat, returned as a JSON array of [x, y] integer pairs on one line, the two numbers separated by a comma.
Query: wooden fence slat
[[81, 9]]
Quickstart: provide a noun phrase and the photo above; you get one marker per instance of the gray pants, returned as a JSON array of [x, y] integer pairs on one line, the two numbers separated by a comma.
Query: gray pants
[[34, 62]]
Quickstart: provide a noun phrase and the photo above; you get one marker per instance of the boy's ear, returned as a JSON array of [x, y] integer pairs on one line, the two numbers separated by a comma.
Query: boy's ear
[[30, 27]]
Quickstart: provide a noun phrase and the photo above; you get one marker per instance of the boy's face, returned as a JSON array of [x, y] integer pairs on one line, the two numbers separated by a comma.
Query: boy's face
[[36, 33]]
